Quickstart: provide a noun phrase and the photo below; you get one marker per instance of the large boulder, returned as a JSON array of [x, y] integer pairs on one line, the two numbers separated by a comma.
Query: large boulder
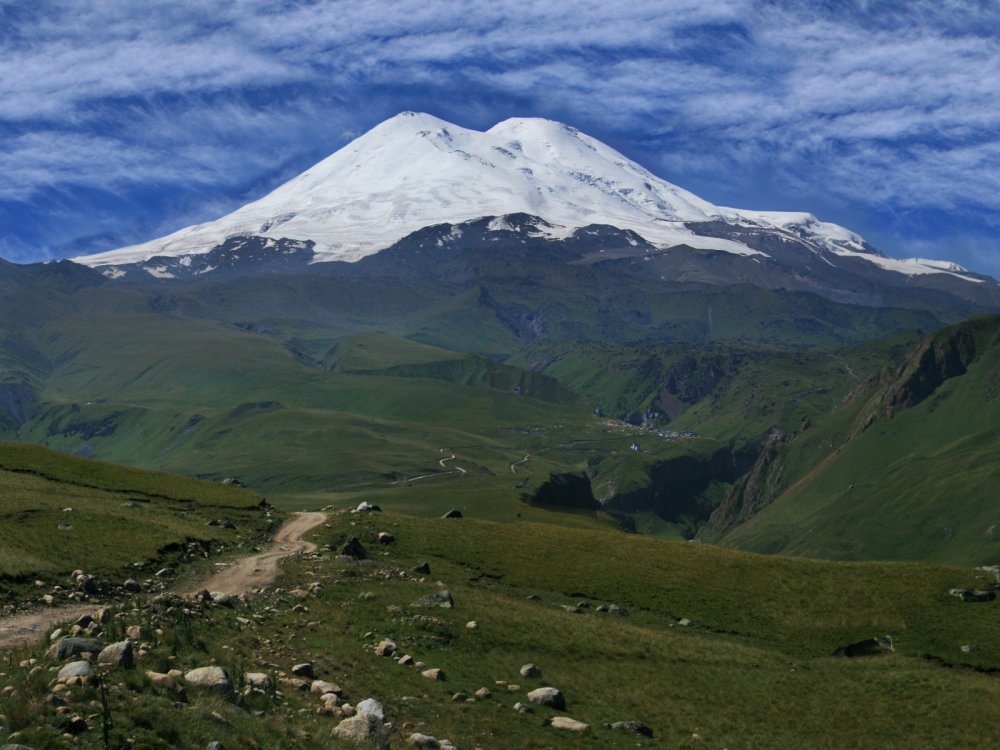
[[82, 669], [120, 654], [363, 730], [214, 678], [70, 648], [371, 706], [352, 548], [548, 696]]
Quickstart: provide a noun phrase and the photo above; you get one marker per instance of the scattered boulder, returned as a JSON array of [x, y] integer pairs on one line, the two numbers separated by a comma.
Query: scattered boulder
[[371, 706], [222, 599], [68, 648], [434, 674], [364, 730], [548, 696], [530, 670], [352, 548], [405, 660], [214, 678], [423, 741], [423, 569], [82, 669], [303, 670], [440, 598], [483, 694], [384, 537], [257, 680], [564, 722], [868, 647], [120, 654], [522, 708], [132, 586], [634, 727], [385, 648], [367, 507], [453, 513], [472, 625]]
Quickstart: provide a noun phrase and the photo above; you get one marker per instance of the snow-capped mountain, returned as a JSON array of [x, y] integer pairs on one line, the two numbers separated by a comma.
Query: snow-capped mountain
[[415, 170]]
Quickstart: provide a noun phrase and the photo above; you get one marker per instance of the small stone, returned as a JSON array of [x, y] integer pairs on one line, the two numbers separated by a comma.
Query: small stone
[[303, 670], [521, 708], [323, 687], [440, 598], [635, 727], [257, 680], [215, 678], [133, 586], [405, 661], [483, 694], [385, 648], [968, 648], [453, 513], [363, 730], [67, 648], [423, 569], [352, 548], [434, 674], [472, 625], [459, 697], [384, 537], [119, 654], [164, 573]]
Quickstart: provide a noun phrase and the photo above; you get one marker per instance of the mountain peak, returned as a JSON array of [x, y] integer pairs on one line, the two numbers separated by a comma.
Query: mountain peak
[[415, 170]]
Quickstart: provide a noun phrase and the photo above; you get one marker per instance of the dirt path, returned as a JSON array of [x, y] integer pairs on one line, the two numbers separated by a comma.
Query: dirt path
[[246, 573]]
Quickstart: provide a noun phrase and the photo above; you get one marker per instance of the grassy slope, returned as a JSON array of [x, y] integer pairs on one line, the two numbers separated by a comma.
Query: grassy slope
[[753, 670], [143, 512], [917, 484]]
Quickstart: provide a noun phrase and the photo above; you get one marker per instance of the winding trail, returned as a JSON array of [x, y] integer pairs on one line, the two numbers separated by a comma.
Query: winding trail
[[245, 573], [518, 463]]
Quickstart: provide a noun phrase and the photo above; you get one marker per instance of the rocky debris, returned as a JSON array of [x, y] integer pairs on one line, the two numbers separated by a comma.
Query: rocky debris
[[548, 696], [385, 648], [367, 507], [868, 647], [423, 741], [352, 548], [423, 569], [257, 680], [222, 599], [68, 648], [440, 598], [322, 687], [364, 730], [384, 537], [214, 678], [530, 671], [633, 727], [120, 654], [303, 670], [81, 669], [453, 513], [564, 722], [973, 595], [434, 674]]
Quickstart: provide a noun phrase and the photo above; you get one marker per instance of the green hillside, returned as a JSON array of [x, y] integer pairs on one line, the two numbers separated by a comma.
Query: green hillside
[[907, 470], [59, 513]]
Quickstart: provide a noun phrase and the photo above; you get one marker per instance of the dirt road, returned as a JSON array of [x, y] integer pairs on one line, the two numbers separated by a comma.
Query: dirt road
[[244, 574]]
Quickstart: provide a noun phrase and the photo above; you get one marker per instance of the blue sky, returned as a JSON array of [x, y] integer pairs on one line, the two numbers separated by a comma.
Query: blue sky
[[121, 121]]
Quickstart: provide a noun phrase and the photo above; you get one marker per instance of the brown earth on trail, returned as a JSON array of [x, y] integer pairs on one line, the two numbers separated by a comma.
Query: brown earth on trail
[[244, 574]]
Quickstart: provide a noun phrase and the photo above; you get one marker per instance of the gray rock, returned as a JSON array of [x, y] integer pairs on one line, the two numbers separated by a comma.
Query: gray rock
[[164, 572], [385, 648], [548, 696], [69, 648], [303, 670], [423, 569], [215, 678], [363, 730], [521, 708], [367, 507], [371, 706], [75, 669], [132, 586], [384, 537], [564, 722], [530, 670], [322, 687], [634, 727], [222, 599], [120, 654], [435, 673], [423, 741], [440, 598]]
